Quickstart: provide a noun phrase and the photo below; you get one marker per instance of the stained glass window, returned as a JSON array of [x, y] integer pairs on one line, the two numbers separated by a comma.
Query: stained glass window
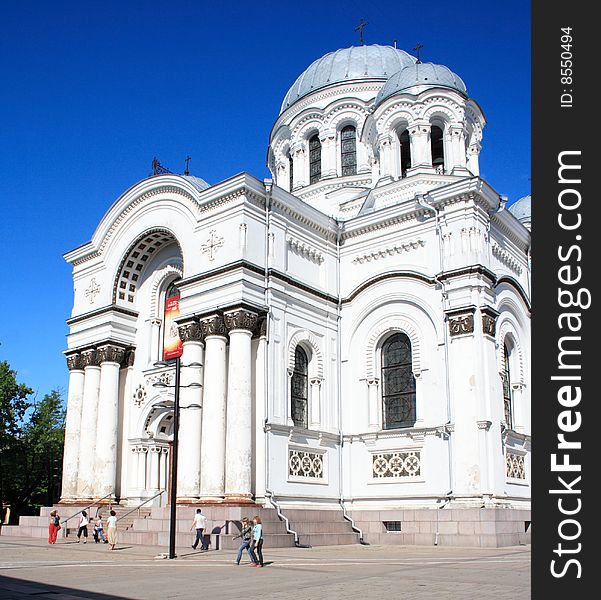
[[398, 383], [314, 159], [507, 400], [300, 388], [348, 146]]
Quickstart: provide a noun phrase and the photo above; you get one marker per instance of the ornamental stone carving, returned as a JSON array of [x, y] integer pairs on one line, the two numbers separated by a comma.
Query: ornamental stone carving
[[90, 358], [190, 331], [74, 362], [461, 321], [130, 357], [213, 325], [396, 465], [240, 319], [489, 321], [263, 327], [109, 353], [515, 467]]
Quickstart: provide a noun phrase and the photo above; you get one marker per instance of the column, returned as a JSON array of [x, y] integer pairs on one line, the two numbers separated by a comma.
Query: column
[[188, 467], [238, 441], [458, 155], [212, 441], [373, 401], [315, 403], [472, 158], [329, 155], [261, 398], [155, 334], [421, 151], [89, 417], [142, 452], [153, 468], [107, 431], [72, 427]]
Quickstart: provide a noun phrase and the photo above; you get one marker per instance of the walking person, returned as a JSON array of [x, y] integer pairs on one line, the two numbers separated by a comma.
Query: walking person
[[111, 530], [199, 523], [99, 530], [256, 545], [83, 527], [246, 535], [53, 526]]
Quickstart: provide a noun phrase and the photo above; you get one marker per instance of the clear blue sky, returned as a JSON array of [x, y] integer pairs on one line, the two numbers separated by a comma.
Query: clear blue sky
[[92, 91]]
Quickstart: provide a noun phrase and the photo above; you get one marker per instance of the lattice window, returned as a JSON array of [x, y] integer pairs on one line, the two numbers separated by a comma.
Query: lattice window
[[348, 147], [300, 388], [305, 464], [398, 382], [314, 159], [396, 465], [507, 399], [515, 466]]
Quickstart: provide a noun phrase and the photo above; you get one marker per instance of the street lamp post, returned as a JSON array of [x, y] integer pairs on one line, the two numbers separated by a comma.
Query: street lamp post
[[174, 454]]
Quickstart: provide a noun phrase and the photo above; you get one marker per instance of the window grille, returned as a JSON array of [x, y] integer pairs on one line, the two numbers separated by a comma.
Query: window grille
[[314, 159], [348, 146], [300, 388], [398, 383], [507, 399]]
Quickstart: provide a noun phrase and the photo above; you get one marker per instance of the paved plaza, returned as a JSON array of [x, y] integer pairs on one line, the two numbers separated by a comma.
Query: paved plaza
[[68, 570]]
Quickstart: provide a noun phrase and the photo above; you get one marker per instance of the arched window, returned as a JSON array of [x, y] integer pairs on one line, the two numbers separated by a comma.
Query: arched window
[[172, 345], [405, 152], [437, 145], [398, 383], [507, 399], [290, 171], [348, 150], [314, 159], [300, 388]]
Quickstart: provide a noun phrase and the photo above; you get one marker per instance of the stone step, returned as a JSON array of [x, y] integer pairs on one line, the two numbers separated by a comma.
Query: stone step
[[307, 527], [314, 516], [328, 539]]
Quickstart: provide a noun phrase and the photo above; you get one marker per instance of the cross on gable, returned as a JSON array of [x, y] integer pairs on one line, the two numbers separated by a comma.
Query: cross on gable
[[92, 290], [211, 245]]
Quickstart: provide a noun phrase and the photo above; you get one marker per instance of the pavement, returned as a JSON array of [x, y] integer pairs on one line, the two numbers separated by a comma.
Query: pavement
[[30, 568]]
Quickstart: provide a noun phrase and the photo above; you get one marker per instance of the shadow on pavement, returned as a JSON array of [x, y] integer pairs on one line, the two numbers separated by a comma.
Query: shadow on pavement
[[14, 589]]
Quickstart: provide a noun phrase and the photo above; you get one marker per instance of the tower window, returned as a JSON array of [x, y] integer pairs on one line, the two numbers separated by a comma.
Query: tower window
[[405, 152], [398, 383], [436, 142], [300, 388], [290, 171], [348, 148], [314, 159]]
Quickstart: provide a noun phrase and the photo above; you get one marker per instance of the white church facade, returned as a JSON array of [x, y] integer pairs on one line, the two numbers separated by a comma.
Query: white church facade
[[354, 332]]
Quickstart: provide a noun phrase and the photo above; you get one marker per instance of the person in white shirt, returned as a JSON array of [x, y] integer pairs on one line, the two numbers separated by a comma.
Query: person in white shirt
[[111, 523], [83, 527], [199, 523]]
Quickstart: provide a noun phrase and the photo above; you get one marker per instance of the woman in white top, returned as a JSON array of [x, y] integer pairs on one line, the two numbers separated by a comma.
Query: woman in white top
[[83, 527], [112, 529]]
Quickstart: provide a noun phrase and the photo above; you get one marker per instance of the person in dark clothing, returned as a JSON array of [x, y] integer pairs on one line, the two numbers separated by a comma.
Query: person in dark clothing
[[246, 535]]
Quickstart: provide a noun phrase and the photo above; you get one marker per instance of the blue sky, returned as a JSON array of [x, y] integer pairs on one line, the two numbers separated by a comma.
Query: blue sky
[[92, 91]]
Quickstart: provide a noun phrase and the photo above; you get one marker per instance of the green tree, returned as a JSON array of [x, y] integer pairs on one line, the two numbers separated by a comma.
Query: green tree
[[32, 446]]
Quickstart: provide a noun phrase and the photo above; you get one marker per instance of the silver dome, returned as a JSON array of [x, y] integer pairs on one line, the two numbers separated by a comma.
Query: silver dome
[[348, 64], [197, 182], [521, 210], [422, 74]]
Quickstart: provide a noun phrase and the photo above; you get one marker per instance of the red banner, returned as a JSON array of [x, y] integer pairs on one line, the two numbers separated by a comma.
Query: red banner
[[172, 345]]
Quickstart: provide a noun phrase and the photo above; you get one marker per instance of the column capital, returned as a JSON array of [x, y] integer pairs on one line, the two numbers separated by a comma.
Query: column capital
[[130, 357], [110, 353], [190, 331], [240, 318], [90, 358], [74, 362], [213, 325], [461, 320]]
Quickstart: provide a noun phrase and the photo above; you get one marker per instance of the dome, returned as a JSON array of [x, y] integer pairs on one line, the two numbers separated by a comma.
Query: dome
[[348, 64], [197, 182], [521, 211], [427, 74]]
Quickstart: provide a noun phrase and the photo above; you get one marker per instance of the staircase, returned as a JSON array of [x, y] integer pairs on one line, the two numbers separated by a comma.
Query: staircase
[[151, 525]]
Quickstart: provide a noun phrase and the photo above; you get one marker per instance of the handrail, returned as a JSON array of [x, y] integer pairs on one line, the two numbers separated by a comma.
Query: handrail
[[284, 518], [356, 529], [86, 508], [141, 504]]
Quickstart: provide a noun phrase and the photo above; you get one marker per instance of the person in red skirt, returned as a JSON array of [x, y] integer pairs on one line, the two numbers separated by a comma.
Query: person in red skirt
[[53, 526]]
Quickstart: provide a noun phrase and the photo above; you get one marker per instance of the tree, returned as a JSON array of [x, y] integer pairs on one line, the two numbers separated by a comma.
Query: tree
[[14, 403], [32, 446]]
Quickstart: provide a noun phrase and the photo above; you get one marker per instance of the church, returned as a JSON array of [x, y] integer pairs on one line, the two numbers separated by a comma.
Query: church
[[352, 335]]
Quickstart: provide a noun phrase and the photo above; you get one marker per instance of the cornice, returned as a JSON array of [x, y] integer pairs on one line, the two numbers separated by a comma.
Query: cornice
[[106, 309]]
